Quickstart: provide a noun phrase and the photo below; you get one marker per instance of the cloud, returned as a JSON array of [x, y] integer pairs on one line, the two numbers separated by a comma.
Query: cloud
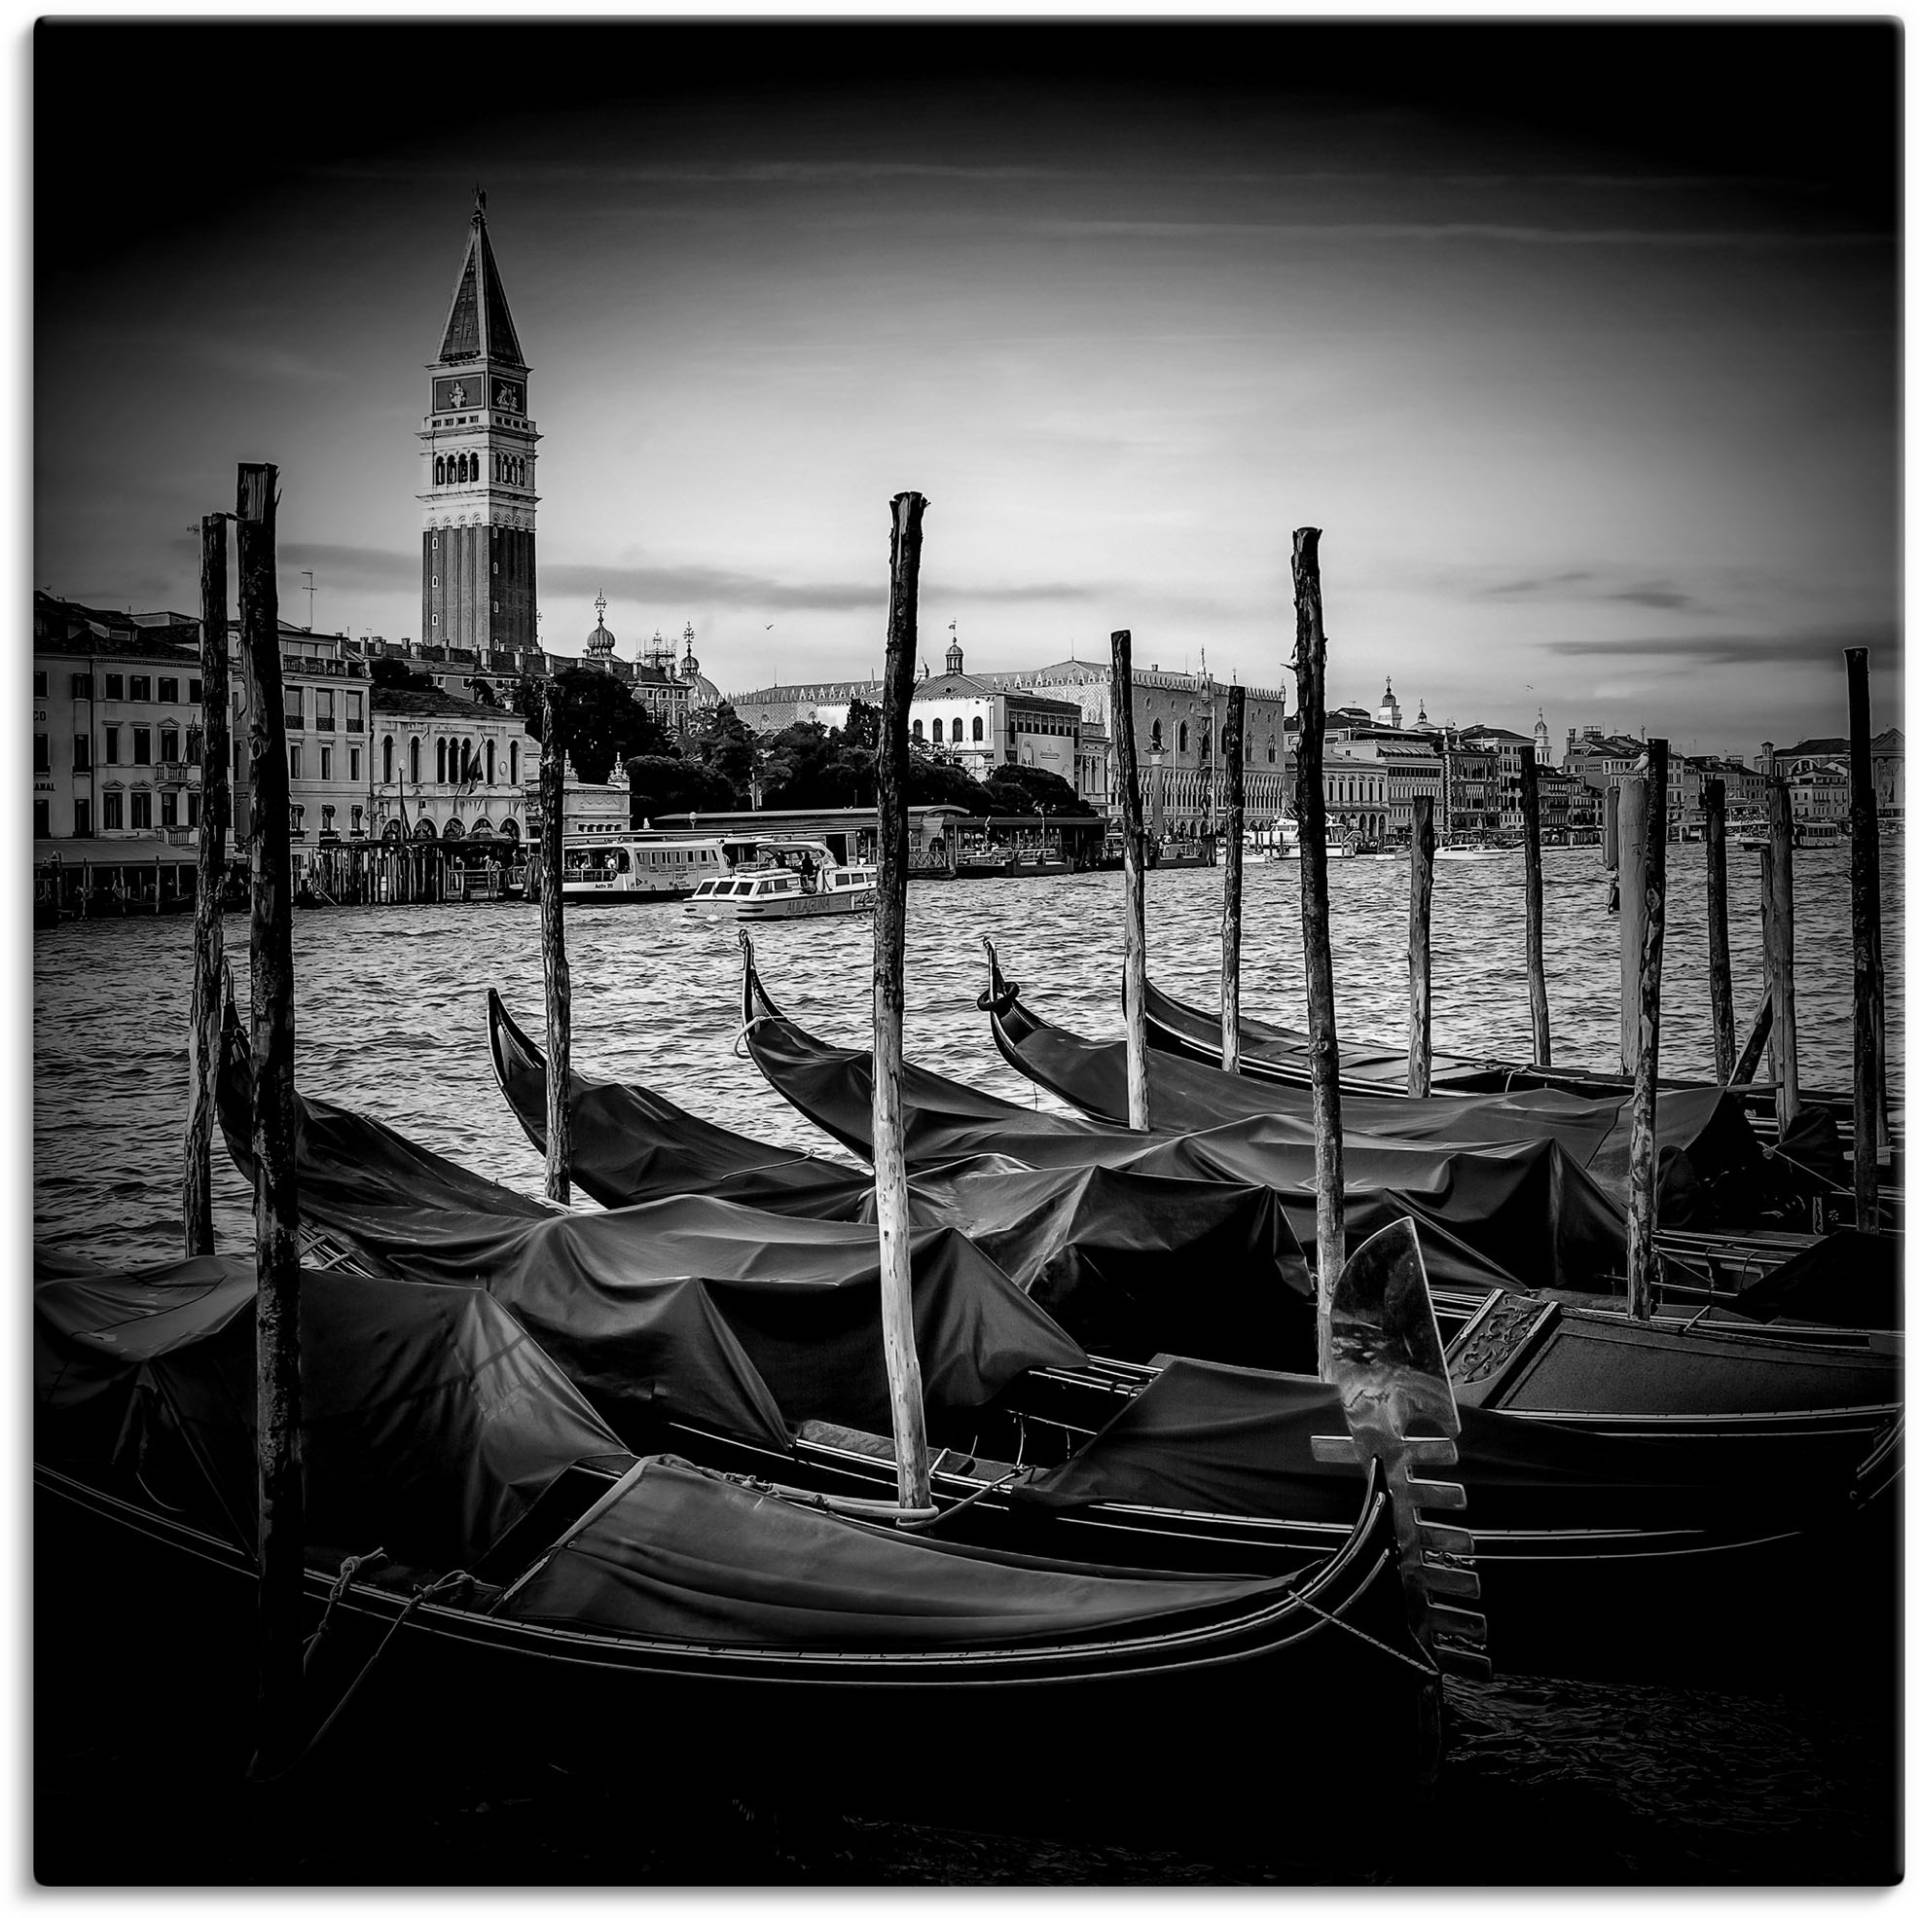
[[1529, 584], [345, 567], [719, 586], [1686, 651], [1432, 231], [1665, 599]]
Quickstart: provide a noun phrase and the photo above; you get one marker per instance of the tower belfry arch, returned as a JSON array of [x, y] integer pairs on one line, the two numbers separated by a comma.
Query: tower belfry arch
[[478, 586]]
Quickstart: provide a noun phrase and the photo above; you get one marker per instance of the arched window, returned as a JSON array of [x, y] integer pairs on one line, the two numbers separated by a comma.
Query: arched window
[[1269, 749], [386, 760], [513, 762], [1154, 743], [1183, 736], [917, 733], [979, 731], [413, 760], [440, 761], [440, 472], [489, 762], [936, 732]]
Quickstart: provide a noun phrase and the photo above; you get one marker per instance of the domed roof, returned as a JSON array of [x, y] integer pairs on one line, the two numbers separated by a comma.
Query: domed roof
[[702, 694], [600, 640]]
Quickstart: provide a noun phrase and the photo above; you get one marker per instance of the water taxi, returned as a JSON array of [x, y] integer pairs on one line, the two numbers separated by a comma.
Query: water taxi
[[784, 879], [632, 868]]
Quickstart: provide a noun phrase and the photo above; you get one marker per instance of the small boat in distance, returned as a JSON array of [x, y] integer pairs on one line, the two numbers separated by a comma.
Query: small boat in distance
[[632, 868], [784, 879]]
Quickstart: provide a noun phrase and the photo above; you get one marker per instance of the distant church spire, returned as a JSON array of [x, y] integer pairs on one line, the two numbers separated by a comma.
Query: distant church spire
[[954, 655], [479, 325]]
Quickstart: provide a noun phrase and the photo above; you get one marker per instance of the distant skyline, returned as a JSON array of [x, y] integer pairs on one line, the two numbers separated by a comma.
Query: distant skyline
[[1579, 342]]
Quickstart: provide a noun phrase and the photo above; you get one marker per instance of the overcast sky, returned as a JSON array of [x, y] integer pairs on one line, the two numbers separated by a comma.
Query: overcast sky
[[1580, 344]]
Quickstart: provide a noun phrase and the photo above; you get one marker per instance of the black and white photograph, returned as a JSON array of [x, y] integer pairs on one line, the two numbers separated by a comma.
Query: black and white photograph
[[967, 952]]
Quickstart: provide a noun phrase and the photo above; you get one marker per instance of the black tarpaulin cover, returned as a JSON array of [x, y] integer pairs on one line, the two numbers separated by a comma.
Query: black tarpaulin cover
[[1215, 1438], [1723, 1177], [430, 1420], [1128, 1263], [1847, 1278], [681, 1554], [696, 1309], [1518, 1213]]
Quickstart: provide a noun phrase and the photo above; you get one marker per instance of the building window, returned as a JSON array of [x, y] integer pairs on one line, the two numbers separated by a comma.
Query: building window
[[433, 540], [169, 745], [40, 681], [353, 764], [1153, 743], [193, 809], [489, 762], [43, 819], [326, 819], [355, 723], [116, 686], [195, 692], [169, 692], [291, 699], [296, 819], [440, 762], [356, 817], [513, 762], [140, 686], [143, 745], [82, 685], [436, 617], [917, 733], [112, 737], [142, 808], [1182, 747], [978, 732], [83, 819], [936, 732], [42, 755], [323, 709], [326, 762], [195, 741], [82, 752], [413, 760], [293, 762], [111, 812], [169, 809], [386, 760]]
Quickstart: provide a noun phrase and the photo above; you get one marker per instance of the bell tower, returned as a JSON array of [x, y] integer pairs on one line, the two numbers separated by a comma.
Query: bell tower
[[477, 462]]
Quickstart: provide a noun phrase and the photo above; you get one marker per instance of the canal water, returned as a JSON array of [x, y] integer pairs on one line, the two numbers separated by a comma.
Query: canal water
[[1785, 1782]]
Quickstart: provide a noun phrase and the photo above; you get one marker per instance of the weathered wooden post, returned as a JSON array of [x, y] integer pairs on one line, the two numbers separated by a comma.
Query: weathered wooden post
[[1235, 755], [1134, 975], [913, 1475], [1868, 985], [276, 1212], [1420, 950], [1643, 1146], [203, 1029], [1536, 946], [1610, 827], [553, 948], [1323, 1045], [1786, 1089], [1713, 805], [1633, 815]]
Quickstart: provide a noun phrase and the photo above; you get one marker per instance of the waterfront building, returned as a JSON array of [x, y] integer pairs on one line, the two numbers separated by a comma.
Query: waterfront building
[[1411, 765], [477, 469], [981, 727], [1507, 814], [325, 688], [447, 770], [1469, 788], [116, 729], [1746, 790], [1889, 758], [1356, 791]]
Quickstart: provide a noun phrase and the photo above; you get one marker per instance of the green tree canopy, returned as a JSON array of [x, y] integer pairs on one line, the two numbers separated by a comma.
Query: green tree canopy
[[723, 743], [660, 783], [1027, 789], [601, 723], [386, 671]]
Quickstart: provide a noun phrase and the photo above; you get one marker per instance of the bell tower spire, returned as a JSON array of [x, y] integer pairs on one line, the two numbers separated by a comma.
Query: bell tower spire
[[477, 580]]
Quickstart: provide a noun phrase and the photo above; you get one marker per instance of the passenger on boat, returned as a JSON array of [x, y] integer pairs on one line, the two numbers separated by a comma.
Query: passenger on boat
[[809, 878]]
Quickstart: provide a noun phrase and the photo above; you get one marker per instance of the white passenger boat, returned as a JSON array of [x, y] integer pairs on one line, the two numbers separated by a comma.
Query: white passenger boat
[[784, 879], [633, 868]]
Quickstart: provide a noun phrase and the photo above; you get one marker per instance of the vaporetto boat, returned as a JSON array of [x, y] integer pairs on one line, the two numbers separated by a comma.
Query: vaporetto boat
[[784, 879], [633, 868]]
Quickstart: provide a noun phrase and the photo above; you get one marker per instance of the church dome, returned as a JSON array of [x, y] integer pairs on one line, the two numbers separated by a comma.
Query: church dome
[[600, 640]]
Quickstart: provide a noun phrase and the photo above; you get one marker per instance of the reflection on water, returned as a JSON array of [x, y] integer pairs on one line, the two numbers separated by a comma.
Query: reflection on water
[[1637, 1784]]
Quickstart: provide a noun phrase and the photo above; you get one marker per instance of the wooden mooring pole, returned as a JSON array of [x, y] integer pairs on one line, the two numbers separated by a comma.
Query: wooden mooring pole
[[1786, 1086], [1643, 1146], [1536, 938], [1632, 815], [216, 759], [1868, 985], [553, 948], [912, 1472], [1233, 752], [1713, 806], [1134, 830], [1420, 950], [1323, 1046], [276, 1212]]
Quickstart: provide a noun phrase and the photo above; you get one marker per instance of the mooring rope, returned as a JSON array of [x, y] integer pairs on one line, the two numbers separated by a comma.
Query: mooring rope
[[1428, 1668]]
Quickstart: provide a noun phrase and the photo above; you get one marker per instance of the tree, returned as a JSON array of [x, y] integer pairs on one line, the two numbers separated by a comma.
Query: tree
[[660, 783], [601, 723], [1030, 789], [723, 743], [483, 693]]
